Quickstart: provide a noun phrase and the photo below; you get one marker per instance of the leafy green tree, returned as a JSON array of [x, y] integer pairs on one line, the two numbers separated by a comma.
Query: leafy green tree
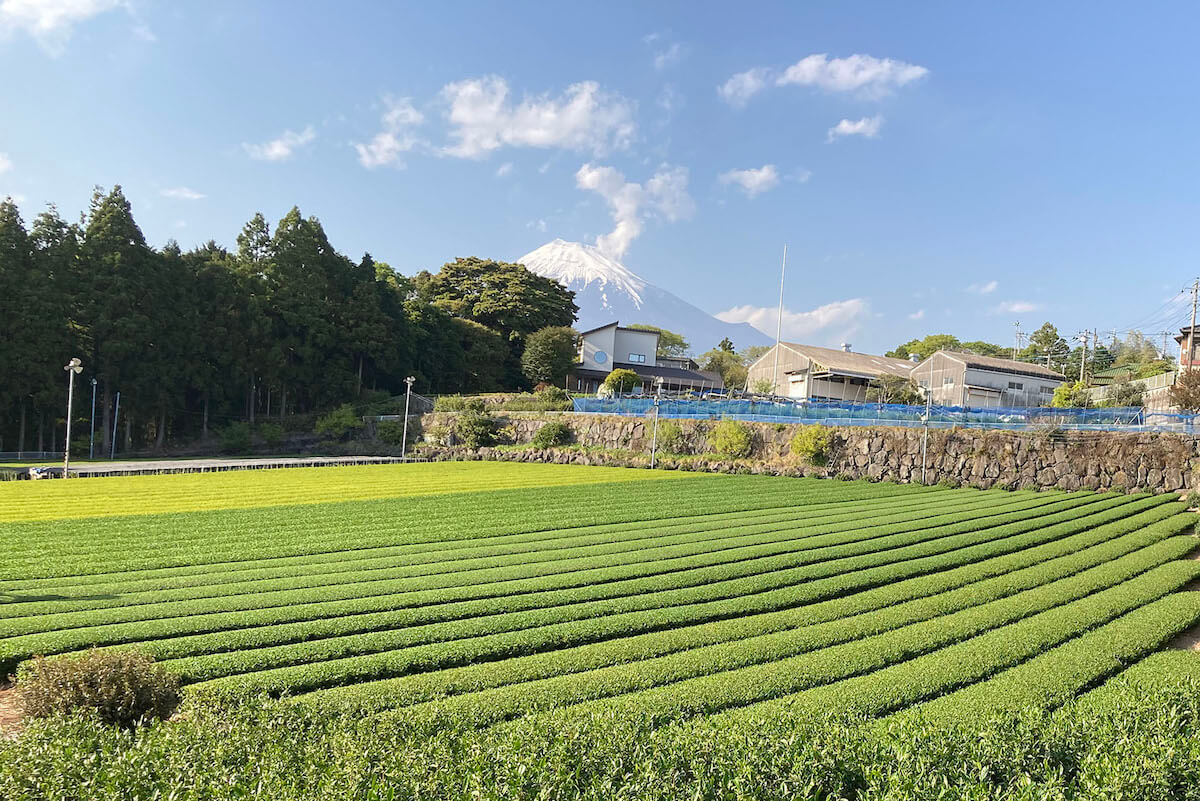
[[753, 353], [549, 354], [1047, 347], [670, 344], [1185, 393], [931, 344], [728, 364], [622, 380], [893, 389], [726, 345], [1071, 395], [1124, 394], [483, 352]]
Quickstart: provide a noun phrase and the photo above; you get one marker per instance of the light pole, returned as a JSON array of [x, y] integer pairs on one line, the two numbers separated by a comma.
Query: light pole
[[658, 385], [73, 367], [92, 423], [404, 437]]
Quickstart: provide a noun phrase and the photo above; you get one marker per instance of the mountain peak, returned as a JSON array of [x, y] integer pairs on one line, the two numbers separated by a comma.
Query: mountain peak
[[607, 291], [578, 266]]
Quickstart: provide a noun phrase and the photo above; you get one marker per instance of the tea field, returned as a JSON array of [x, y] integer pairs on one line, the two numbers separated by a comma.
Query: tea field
[[480, 593]]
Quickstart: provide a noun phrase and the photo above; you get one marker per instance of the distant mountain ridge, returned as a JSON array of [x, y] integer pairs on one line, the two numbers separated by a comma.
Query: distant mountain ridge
[[606, 290]]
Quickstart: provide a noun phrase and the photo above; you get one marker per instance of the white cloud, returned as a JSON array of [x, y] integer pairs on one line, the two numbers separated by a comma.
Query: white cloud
[[665, 193], [738, 90], [15, 197], [867, 126], [397, 135], [504, 169], [801, 175], [50, 21], [919, 314], [858, 73], [483, 118], [5, 163], [668, 57], [537, 225], [182, 193], [282, 148], [754, 181], [1014, 307], [983, 289], [832, 323]]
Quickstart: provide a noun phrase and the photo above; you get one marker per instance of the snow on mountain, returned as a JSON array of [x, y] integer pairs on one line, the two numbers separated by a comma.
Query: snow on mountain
[[606, 290]]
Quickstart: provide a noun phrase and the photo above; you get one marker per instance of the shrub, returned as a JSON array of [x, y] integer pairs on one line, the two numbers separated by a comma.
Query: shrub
[[235, 438], [391, 432], [621, 381], [475, 428], [122, 687], [731, 439], [551, 435], [552, 394], [670, 437], [448, 403], [271, 434], [339, 422], [810, 445]]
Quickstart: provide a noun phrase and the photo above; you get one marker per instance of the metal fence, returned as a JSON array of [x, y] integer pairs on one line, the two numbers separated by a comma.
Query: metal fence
[[30, 456], [781, 410]]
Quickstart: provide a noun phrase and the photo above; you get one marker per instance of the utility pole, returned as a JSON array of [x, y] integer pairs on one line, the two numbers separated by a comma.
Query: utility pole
[[1192, 329], [779, 326], [1017, 340], [92, 433], [1083, 357]]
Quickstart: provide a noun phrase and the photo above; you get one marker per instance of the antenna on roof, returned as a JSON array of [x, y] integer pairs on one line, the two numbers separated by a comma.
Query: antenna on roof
[[779, 325]]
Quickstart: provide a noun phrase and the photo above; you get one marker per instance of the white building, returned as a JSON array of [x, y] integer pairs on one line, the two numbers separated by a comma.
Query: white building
[[808, 372], [965, 379], [611, 347]]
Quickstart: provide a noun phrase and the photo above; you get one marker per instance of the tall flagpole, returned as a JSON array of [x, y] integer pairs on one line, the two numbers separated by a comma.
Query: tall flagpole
[[779, 325]]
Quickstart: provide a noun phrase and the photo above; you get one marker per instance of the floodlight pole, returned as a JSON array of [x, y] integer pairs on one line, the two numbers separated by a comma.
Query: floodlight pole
[[404, 437], [658, 385], [112, 450], [779, 326], [74, 366], [92, 423], [925, 418]]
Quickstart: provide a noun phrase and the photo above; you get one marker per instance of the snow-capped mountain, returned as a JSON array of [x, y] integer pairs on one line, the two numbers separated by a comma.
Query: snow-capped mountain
[[606, 290]]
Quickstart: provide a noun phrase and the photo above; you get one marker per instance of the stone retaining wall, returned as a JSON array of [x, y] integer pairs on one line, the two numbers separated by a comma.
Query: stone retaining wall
[[1066, 460]]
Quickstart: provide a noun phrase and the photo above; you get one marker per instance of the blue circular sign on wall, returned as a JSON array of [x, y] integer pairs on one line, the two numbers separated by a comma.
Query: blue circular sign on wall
[[601, 357]]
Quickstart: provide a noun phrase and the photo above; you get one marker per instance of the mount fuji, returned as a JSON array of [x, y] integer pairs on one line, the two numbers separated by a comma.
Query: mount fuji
[[606, 290]]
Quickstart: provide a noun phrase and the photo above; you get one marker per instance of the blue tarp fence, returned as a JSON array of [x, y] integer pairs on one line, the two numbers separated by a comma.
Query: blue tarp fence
[[835, 413]]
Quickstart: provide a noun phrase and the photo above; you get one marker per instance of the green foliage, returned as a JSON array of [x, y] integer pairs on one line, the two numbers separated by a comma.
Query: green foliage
[[731, 439], [670, 344], [549, 354], [727, 363], [338, 423], [475, 428], [236, 438], [552, 435], [811, 445], [931, 344], [670, 437], [1124, 393], [1071, 395], [391, 432], [762, 386], [121, 687], [622, 381], [271, 434], [1185, 392], [893, 389]]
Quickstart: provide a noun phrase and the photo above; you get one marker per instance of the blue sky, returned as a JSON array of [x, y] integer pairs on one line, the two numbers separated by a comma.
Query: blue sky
[[934, 167]]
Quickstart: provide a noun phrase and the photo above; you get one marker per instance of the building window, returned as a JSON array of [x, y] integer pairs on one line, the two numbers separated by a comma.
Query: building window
[[1015, 385], [948, 381], [637, 358]]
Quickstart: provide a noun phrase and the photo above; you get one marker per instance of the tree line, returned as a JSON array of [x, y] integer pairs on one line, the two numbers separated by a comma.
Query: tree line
[[282, 325]]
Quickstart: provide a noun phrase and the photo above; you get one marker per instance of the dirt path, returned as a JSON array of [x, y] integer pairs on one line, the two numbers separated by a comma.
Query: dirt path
[[10, 713]]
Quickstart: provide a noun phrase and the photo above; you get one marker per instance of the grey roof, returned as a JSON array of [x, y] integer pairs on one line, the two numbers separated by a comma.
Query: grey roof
[[1003, 365], [857, 363], [649, 372]]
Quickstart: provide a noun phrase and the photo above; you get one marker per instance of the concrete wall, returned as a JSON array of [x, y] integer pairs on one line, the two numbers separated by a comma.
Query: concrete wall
[[629, 343], [1023, 460]]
